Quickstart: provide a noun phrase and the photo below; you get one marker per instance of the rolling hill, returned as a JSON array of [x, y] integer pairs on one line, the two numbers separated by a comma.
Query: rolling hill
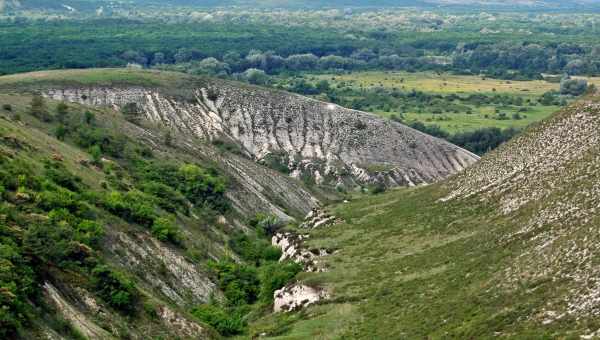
[[127, 195], [507, 248]]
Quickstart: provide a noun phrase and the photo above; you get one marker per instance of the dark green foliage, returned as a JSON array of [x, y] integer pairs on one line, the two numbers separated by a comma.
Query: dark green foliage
[[96, 154], [378, 188], [168, 198], [131, 112], [17, 284], [433, 130], [114, 288], [201, 186], [253, 250], [39, 109], [132, 206], [274, 276], [7, 107], [62, 111], [265, 225], [479, 141], [574, 87], [227, 146], [89, 117], [164, 229], [55, 241], [109, 143], [277, 161], [483, 140], [57, 173], [60, 132], [226, 321], [239, 282]]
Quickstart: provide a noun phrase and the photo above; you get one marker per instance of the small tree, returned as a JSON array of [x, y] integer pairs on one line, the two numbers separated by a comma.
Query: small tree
[[574, 87], [168, 140], [96, 154], [39, 108], [89, 117], [131, 112], [62, 110], [256, 76]]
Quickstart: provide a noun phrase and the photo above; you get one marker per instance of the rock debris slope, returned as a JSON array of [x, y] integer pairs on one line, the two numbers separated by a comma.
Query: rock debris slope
[[329, 143], [550, 178]]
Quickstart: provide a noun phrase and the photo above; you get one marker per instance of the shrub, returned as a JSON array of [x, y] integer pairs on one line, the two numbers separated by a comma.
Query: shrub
[[165, 230], [274, 276], [58, 173], [225, 321], [253, 250], [62, 111], [60, 132], [574, 87], [277, 161], [39, 109], [131, 112], [52, 242], [134, 207], [89, 117], [7, 107], [202, 186], [239, 282], [114, 288], [168, 198]]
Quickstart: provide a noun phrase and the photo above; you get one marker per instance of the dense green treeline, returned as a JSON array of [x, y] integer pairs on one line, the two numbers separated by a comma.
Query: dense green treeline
[[274, 48]]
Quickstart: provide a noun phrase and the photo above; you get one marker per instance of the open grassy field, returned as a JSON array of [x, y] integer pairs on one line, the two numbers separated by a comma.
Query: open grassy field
[[442, 83], [522, 108], [481, 118]]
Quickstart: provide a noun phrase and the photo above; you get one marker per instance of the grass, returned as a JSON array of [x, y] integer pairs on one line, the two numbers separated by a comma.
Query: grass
[[485, 116], [445, 84], [409, 267], [442, 83], [96, 77]]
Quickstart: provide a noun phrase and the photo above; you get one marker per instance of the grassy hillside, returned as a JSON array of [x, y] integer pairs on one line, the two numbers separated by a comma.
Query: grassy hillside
[[507, 248], [113, 230]]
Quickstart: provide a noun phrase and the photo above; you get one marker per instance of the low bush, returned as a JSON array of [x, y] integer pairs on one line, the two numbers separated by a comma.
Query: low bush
[[115, 289]]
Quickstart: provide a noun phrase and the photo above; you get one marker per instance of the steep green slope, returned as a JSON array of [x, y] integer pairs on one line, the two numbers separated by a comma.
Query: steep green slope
[[507, 248], [110, 230]]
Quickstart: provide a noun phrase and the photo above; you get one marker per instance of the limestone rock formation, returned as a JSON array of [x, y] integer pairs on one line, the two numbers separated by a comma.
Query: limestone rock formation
[[326, 142], [297, 295]]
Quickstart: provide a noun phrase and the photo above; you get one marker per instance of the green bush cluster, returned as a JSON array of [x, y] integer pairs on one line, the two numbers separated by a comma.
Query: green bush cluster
[[253, 250], [114, 288], [246, 285], [48, 223]]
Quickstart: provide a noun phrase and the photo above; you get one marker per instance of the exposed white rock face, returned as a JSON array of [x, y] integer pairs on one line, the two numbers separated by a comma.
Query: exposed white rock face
[[328, 142], [293, 249], [317, 218], [181, 326], [77, 319], [162, 269], [292, 245], [296, 296]]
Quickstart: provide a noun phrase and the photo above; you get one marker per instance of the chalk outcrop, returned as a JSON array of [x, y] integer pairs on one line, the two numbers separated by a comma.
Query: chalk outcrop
[[296, 296], [330, 144]]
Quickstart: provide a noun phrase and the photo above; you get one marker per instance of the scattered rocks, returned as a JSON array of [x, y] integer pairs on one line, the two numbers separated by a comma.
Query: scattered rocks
[[180, 325], [317, 218], [295, 296], [292, 248]]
